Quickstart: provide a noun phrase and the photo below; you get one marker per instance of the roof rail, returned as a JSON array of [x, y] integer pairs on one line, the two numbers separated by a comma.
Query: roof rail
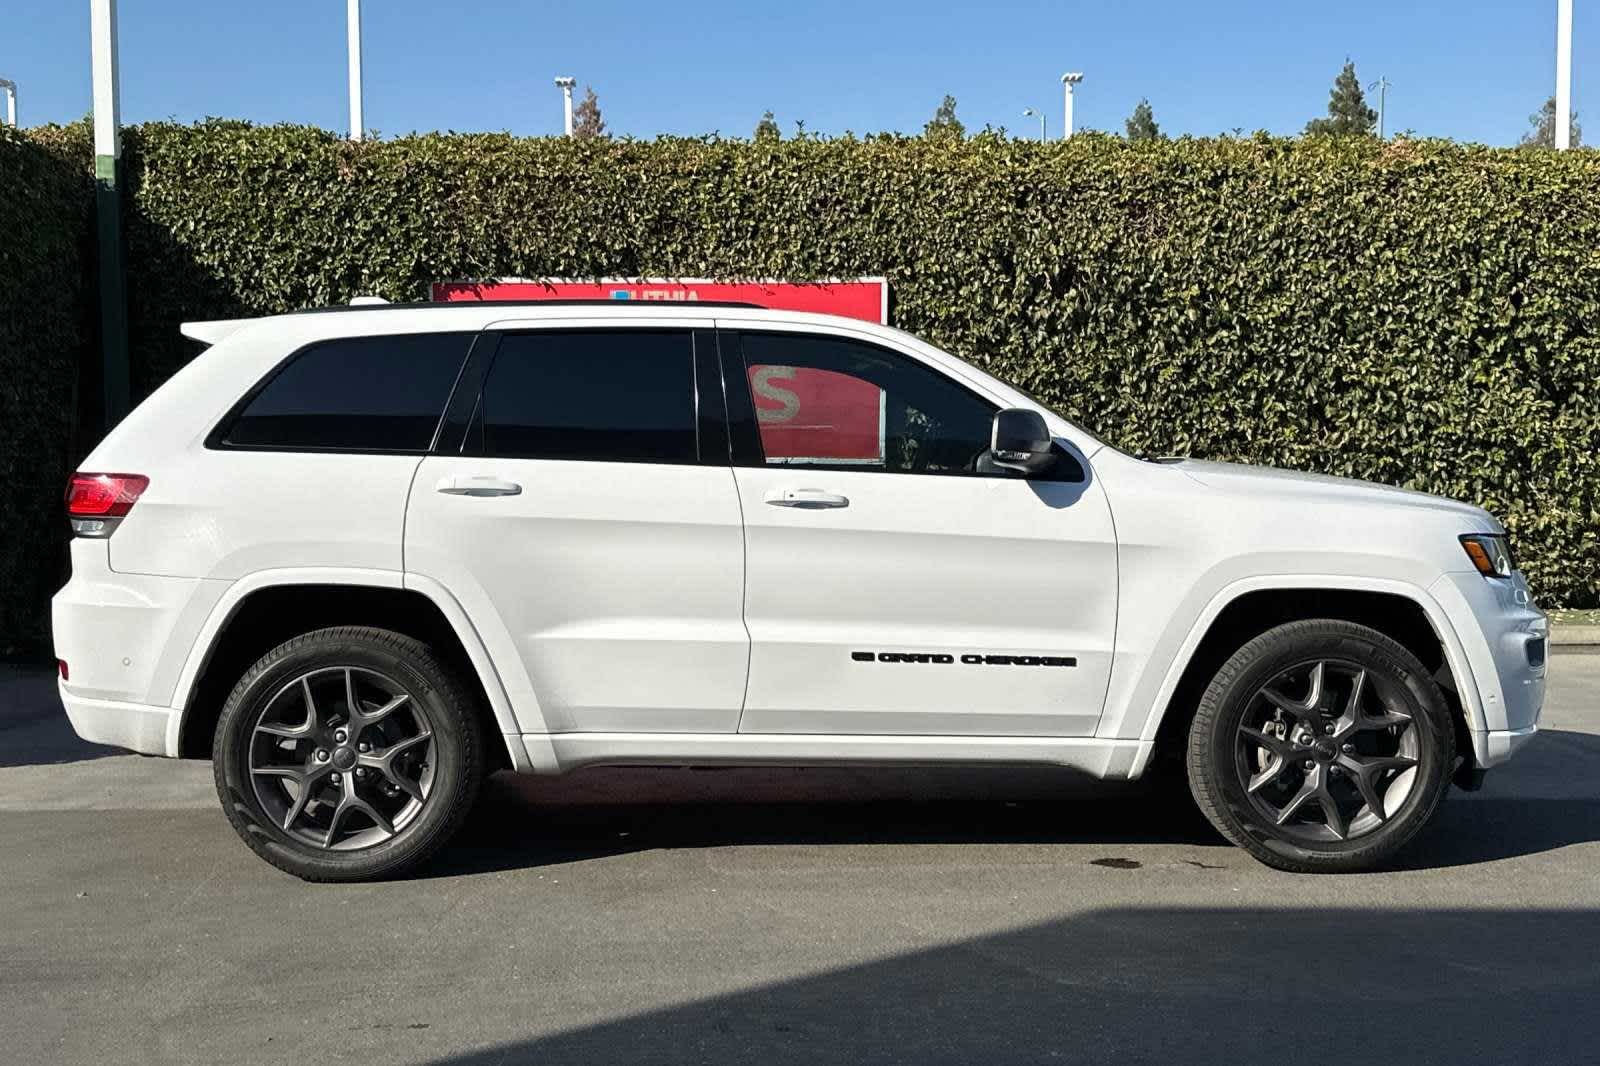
[[423, 304], [210, 332]]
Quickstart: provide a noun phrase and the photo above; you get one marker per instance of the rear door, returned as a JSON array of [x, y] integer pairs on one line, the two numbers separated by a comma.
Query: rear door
[[892, 587], [581, 507]]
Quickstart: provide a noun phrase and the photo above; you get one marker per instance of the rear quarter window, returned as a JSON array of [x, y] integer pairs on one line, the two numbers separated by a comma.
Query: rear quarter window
[[362, 394]]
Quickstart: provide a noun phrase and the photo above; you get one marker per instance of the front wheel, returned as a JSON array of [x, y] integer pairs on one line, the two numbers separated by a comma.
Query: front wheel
[[347, 754], [1321, 746]]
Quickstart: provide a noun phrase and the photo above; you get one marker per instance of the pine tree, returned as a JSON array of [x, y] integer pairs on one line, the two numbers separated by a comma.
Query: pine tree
[[1141, 125], [1543, 134], [586, 121], [944, 123], [1348, 113], [767, 129]]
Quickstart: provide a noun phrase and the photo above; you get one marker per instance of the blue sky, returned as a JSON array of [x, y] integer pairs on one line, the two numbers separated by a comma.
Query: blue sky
[[1468, 69]]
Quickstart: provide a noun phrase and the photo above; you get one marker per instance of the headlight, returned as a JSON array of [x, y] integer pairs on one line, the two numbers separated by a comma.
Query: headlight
[[1490, 553]]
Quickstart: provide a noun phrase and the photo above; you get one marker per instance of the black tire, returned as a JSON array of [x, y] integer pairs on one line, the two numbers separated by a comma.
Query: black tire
[[1241, 761], [436, 722]]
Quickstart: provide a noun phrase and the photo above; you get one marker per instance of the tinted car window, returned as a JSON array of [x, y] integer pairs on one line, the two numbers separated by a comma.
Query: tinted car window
[[610, 395], [356, 394], [825, 401]]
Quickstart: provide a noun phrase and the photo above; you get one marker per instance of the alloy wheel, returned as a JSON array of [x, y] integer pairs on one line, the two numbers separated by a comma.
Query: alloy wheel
[[1327, 751], [342, 758]]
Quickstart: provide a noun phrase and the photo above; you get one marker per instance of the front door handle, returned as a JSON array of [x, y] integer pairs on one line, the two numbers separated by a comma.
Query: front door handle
[[806, 499], [477, 486]]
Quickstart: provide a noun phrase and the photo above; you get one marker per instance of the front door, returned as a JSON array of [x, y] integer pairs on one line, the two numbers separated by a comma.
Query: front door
[[576, 523], [893, 587]]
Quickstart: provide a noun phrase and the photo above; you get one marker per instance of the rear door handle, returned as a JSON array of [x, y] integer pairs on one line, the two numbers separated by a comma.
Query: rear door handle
[[806, 499], [481, 485]]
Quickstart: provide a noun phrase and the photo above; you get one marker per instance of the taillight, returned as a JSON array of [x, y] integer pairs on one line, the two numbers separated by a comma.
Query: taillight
[[97, 502]]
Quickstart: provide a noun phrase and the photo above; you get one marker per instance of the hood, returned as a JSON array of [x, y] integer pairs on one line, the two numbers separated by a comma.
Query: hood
[[1243, 480]]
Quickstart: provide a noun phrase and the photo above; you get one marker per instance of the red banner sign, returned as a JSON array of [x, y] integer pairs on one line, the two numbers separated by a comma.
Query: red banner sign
[[866, 299], [808, 415]]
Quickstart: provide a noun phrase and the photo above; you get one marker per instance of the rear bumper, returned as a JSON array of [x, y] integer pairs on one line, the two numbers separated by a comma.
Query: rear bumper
[[125, 638], [135, 726]]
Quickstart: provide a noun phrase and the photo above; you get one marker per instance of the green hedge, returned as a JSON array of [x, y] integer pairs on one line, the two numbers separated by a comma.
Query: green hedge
[[44, 212], [1419, 313]]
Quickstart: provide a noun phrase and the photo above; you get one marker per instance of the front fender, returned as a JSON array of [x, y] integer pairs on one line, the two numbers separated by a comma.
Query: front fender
[[1143, 710]]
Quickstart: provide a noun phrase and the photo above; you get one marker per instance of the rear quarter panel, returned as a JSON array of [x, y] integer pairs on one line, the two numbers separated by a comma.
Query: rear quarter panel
[[224, 514]]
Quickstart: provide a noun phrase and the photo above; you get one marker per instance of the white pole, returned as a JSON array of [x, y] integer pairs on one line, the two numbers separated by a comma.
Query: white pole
[[1563, 75], [11, 101], [353, 29], [1067, 82], [565, 85], [107, 84]]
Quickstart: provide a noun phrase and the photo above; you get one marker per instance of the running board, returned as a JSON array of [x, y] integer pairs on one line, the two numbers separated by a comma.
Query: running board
[[557, 753]]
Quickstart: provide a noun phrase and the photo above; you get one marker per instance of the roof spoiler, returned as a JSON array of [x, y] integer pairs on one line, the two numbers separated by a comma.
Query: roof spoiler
[[213, 331]]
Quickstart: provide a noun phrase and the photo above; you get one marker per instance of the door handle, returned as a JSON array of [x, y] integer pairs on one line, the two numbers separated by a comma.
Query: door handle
[[480, 485], [806, 499]]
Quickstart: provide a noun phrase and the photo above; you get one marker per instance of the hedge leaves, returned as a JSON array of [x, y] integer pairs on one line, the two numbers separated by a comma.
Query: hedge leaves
[[1419, 313]]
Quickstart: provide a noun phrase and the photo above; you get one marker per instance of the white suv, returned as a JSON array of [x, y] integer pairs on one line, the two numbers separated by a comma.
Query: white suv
[[361, 557]]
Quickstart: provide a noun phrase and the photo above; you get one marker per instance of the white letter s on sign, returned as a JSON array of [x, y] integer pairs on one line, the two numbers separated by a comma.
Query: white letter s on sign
[[761, 382]]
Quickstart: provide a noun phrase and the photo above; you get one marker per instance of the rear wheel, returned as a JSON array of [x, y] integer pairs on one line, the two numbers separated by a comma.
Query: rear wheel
[[1321, 746], [347, 754]]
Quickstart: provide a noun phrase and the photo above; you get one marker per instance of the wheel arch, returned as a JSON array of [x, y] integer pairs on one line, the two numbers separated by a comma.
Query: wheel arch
[[260, 612], [1246, 609]]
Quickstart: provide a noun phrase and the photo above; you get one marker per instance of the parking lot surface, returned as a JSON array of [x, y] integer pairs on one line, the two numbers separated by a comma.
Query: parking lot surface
[[804, 916]]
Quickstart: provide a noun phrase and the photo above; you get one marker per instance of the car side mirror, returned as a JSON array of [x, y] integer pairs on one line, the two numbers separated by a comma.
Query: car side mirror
[[1021, 442]]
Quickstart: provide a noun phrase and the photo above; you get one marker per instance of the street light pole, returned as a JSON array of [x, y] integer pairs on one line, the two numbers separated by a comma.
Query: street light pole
[[10, 88], [114, 378], [1067, 82], [1034, 112], [1563, 75], [565, 85], [353, 33], [1382, 85]]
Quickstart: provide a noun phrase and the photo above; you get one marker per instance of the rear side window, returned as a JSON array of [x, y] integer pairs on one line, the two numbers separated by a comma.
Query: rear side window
[[382, 394], [605, 395]]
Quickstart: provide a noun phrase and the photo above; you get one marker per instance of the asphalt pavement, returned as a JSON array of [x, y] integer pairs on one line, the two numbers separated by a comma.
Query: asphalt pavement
[[794, 916]]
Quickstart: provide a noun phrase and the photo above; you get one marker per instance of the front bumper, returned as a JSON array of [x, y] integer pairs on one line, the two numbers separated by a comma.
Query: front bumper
[[1501, 744], [1506, 641]]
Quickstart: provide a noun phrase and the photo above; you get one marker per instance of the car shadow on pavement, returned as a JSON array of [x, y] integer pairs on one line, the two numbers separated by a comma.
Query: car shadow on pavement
[[34, 730], [1468, 832], [524, 822], [1153, 985]]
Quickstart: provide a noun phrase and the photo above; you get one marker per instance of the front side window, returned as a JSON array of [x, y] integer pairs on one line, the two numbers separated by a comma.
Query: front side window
[[364, 394], [606, 395], [832, 402]]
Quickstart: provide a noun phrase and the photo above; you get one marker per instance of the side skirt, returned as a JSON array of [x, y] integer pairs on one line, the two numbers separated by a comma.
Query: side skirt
[[556, 753]]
